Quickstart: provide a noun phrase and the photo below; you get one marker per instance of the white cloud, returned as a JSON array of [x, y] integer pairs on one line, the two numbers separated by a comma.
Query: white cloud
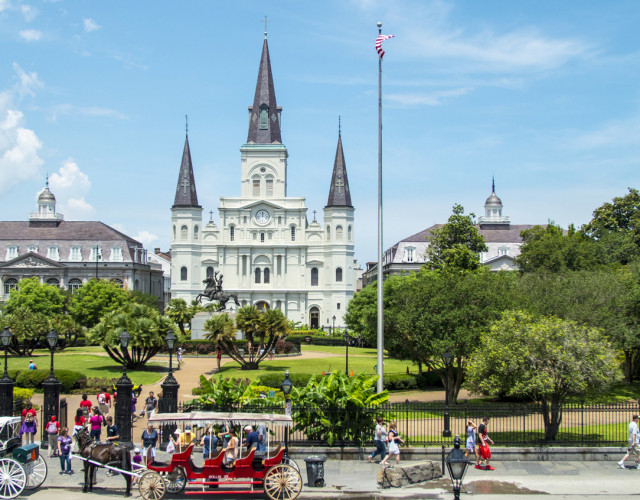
[[28, 12], [70, 109], [19, 148], [4, 5], [28, 83], [90, 25], [30, 35], [428, 99], [76, 209], [145, 237], [615, 133], [70, 186]]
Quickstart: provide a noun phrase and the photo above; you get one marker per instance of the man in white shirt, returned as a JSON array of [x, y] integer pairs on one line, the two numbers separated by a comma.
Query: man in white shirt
[[634, 443]]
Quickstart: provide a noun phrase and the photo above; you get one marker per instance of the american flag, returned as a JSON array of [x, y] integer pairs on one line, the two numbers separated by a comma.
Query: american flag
[[379, 40]]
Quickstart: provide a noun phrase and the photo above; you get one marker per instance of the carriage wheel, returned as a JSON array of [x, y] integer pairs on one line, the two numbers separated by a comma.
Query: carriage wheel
[[291, 462], [151, 486], [282, 482], [12, 478], [175, 481], [36, 473]]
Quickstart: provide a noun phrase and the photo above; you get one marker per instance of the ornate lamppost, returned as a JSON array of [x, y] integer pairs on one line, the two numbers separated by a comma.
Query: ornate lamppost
[[286, 387], [333, 329], [124, 387], [51, 391], [170, 386], [457, 465], [6, 382], [347, 340], [447, 359]]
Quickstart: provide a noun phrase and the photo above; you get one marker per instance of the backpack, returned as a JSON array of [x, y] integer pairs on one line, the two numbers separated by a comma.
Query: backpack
[[101, 399], [52, 428]]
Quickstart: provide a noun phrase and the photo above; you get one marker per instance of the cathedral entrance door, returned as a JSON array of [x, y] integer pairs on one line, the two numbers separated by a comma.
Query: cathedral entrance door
[[262, 305], [314, 318]]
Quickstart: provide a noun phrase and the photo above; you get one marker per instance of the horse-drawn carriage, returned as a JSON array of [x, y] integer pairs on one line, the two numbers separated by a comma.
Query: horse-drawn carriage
[[21, 467], [272, 473]]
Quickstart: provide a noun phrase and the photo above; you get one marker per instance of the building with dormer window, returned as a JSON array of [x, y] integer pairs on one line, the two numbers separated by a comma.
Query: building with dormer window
[[264, 246]]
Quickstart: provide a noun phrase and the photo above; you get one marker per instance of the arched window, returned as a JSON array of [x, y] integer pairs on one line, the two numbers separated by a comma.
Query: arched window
[[349, 234], [184, 232], [269, 186], [314, 276], [10, 284], [328, 233], [174, 231], [232, 233], [183, 273], [261, 237], [257, 275], [267, 275], [278, 304], [293, 233], [338, 274], [136, 285], [256, 186], [339, 233], [314, 318], [74, 284], [264, 117], [209, 272], [195, 232], [53, 282], [118, 282]]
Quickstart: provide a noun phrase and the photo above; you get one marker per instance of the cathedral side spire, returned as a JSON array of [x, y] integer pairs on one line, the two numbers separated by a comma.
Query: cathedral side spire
[[264, 115], [339, 194], [186, 195]]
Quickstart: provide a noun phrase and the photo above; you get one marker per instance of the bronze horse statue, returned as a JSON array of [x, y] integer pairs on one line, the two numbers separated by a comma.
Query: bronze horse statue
[[112, 455], [213, 291]]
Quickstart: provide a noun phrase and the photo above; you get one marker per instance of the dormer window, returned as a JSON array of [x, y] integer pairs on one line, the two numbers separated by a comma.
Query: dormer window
[[53, 254], [12, 252], [32, 248], [116, 254], [264, 117]]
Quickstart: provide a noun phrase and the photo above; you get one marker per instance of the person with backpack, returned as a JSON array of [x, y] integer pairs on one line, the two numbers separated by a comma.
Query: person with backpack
[[104, 401], [53, 430], [150, 405], [96, 422], [29, 427]]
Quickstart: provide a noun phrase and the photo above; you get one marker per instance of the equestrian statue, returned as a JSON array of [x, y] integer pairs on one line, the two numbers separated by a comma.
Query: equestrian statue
[[213, 291]]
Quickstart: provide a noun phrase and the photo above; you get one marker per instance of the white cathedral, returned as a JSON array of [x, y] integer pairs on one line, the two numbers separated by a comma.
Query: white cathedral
[[267, 251]]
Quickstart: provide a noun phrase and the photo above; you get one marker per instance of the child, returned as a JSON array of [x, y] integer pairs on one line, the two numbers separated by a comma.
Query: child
[[136, 463], [394, 441], [471, 440], [484, 451]]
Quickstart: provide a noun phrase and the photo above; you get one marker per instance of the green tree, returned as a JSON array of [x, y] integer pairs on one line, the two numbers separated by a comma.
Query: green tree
[[94, 299], [181, 314], [546, 359], [69, 331], [36, 297], [147, 327], [550, 248], [147, 299], [28, 327], [456, 244], [261, 329]]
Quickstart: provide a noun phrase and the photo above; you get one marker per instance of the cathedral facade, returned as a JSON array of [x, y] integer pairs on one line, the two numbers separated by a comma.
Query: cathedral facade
[[265, 250]]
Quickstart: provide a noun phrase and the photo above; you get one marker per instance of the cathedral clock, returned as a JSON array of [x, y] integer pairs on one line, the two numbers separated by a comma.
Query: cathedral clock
[[262, 217]]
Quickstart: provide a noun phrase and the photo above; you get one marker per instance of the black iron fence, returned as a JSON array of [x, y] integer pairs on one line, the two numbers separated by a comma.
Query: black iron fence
[[421, 424]]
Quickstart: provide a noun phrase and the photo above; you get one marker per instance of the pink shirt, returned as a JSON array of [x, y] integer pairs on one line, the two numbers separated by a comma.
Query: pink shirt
[[96, 422]]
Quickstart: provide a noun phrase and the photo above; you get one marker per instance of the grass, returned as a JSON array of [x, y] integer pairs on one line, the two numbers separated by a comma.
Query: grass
[[72, 350], [91, 366], [341, 350]]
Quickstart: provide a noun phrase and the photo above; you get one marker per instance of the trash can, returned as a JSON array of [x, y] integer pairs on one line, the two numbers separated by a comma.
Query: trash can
[[315, 471]]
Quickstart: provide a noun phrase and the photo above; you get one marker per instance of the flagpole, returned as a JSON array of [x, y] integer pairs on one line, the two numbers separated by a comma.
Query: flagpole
[[380, 336]]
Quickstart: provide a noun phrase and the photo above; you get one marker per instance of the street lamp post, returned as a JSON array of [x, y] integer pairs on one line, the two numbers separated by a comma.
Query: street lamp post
[[447, 359], [333, 330], [6, 382], [124, 388], [51, 387], [457, 465], [170, 386], [286, 387], [347, 340]]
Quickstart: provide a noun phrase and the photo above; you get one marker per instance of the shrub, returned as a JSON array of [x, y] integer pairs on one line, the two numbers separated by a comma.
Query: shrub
[[283, 347], [400, 382], [23, 394], [315, 340], [69, 379], [97, 383], [273, 380]]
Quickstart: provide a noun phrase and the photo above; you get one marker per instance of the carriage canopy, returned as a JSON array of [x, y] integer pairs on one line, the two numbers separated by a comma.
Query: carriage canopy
[[203, 418]]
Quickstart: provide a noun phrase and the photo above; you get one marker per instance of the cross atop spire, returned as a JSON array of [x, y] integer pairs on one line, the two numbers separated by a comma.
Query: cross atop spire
[[264, 115], [265, 26], [186, 124]]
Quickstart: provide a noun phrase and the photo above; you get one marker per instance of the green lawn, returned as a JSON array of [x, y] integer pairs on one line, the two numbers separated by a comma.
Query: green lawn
[[72, 350], [341, 350], [91, 365]]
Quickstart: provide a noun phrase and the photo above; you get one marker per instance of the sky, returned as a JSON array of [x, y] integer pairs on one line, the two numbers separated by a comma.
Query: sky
[[542, 95]]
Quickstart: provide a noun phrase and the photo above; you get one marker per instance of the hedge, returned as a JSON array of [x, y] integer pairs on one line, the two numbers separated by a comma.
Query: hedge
[[402, 382], [300, 339], [33, 379]]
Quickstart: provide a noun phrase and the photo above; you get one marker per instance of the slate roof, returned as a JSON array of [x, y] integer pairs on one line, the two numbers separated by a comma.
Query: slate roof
[[503, 234], [265, 94], [186, 195], [339, 193]]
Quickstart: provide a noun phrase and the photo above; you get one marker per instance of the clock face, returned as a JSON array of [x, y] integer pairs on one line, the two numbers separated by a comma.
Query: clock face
[[262, 217]]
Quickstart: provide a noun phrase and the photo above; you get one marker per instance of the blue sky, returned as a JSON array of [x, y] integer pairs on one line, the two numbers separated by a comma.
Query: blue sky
[[542, 95]]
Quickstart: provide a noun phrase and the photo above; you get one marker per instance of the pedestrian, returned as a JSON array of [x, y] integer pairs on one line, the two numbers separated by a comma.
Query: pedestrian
[[104, 401], [149, 443], [112, 431], [79, 423], [136, 463], [231, 449], [634, 443], [394, 444], [134, 401], [471, 441], [150, 405], [262, 437], [29, 426], [219, 357], [53, 430], [484, 451], [379, 439], [32, 365], [209, 443], [64, 451], [179, 356], [95, 423], [86, 405]]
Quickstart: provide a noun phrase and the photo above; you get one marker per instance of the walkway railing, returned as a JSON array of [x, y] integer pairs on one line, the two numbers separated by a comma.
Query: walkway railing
[[421, 424]]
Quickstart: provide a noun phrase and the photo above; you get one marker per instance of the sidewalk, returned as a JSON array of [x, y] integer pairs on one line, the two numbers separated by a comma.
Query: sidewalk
[[357, 480]]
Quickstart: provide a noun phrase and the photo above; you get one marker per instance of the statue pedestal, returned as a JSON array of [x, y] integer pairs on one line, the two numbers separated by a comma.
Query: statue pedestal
[[197, 323]]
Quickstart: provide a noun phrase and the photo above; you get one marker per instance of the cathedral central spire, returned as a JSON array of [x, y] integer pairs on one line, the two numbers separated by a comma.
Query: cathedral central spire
[[186, 195], [264, 115]]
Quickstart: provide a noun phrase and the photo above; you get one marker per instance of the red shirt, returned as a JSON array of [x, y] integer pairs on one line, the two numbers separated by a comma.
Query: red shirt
[[85, 403], [26, 412], [80, 421], [57, 426]]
